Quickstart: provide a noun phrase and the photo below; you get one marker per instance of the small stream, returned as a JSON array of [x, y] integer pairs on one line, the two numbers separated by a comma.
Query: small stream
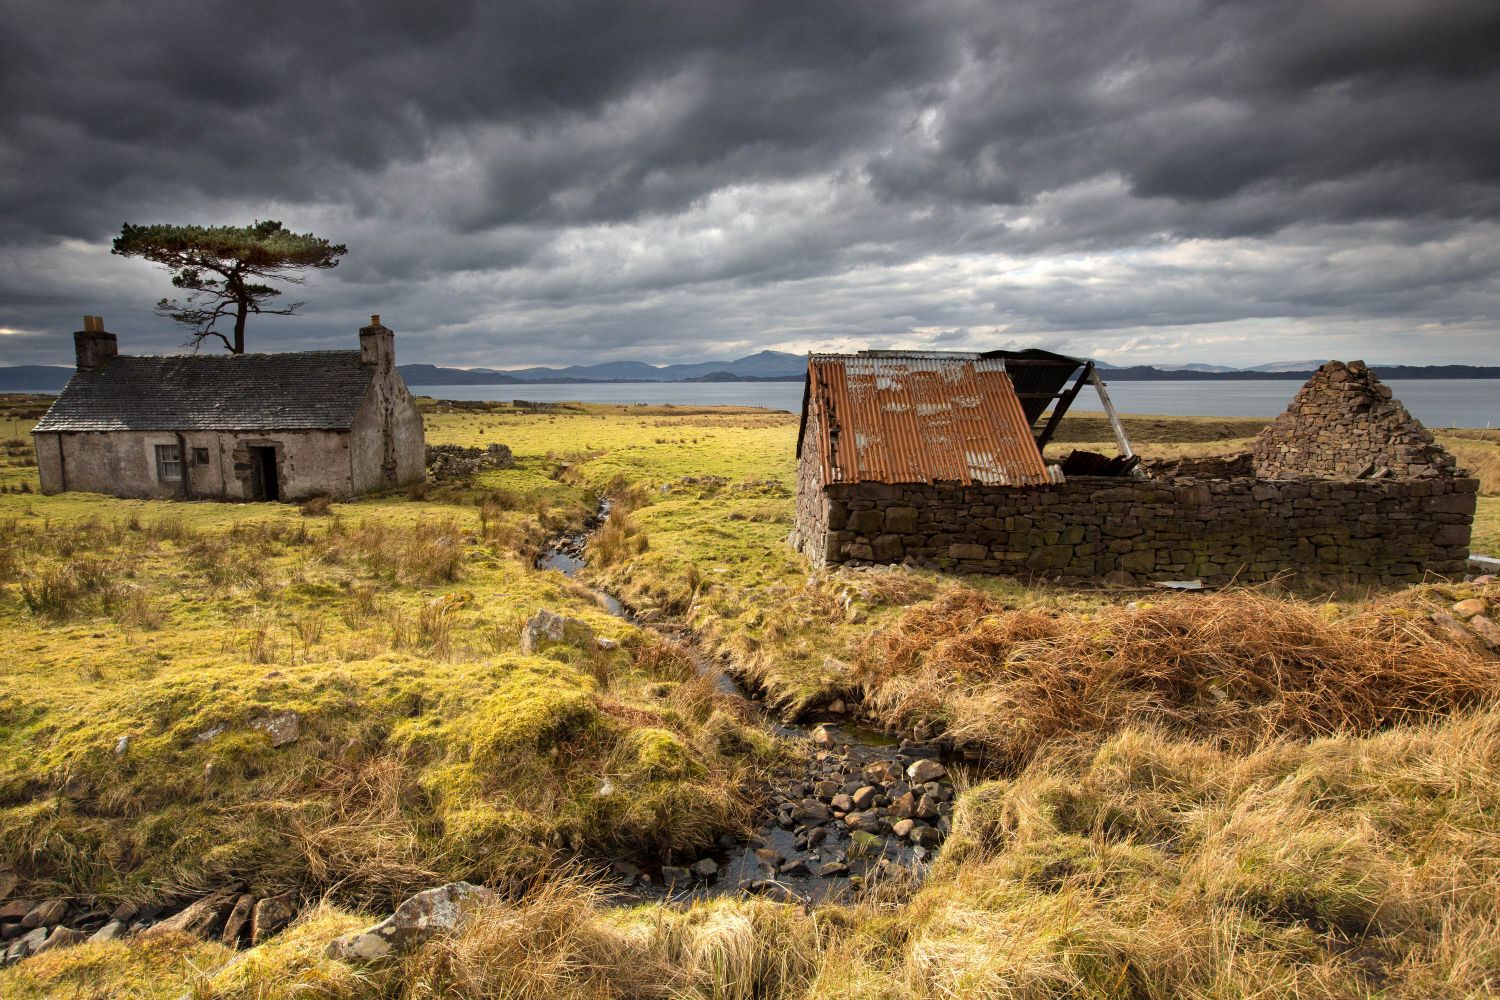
[[846, 812]]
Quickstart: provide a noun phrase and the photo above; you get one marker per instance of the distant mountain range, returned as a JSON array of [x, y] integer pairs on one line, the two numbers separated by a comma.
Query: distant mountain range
[[773, 366]]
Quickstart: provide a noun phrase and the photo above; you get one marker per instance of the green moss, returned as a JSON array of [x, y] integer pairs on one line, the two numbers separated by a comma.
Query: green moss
[[659, 755]]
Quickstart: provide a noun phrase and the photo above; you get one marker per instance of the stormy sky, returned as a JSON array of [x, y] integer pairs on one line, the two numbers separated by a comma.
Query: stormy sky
[[562, 182]]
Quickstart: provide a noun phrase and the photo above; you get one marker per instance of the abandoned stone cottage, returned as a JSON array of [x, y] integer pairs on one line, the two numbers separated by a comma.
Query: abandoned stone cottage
[[939, 459], [234, 426]]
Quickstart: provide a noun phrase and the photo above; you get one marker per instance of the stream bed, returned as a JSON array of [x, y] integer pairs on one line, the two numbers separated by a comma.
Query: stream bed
[[852, 806]]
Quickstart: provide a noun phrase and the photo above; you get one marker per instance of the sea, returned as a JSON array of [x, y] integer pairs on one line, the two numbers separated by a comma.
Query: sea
[[1473, 402]]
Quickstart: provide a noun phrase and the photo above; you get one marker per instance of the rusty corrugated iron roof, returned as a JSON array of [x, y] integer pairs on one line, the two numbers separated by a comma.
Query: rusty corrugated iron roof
[[916, 417]]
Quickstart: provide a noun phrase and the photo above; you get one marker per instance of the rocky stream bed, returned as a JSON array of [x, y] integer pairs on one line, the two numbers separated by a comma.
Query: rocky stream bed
[[856, 804]]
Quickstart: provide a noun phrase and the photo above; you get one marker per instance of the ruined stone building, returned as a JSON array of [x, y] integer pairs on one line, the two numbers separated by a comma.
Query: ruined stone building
[[938, 459], [231, 426]]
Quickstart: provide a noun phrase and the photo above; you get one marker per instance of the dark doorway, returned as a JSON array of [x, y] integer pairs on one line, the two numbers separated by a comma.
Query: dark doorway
[[264, 485]]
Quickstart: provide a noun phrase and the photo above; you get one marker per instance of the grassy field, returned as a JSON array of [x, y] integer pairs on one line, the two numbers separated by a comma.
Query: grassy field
[[1250, 794]]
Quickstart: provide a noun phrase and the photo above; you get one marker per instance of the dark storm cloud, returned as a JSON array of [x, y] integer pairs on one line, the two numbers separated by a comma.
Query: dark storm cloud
[[551, 181]]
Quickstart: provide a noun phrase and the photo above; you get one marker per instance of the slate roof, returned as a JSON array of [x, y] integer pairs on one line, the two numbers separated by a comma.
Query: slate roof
[[919, 417], [308, 390]]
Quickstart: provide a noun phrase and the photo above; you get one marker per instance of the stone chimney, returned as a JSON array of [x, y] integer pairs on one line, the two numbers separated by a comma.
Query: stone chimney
[[92, 345], [377, 345]]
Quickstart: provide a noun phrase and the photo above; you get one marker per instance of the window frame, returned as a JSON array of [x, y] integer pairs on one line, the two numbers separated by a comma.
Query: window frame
[[201, 456], [163, 463]]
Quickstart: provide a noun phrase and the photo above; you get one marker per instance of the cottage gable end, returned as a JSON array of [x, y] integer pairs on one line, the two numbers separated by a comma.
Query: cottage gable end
[[1344, 423]]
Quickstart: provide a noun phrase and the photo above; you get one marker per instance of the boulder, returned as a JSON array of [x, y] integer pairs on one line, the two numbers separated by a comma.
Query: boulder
[[705, 868], [925, 836], [1471, 607], [864, 797], [549, 627], [434, 911], [922, 771], [903, 828], [863, 822], [16, 909], [282, 727], [271, 915], [822, 736]]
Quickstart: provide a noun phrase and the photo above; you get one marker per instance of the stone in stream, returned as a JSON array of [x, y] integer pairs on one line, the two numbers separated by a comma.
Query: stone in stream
[[816, 836], [671, 876], [109, 931], [832, 869], [705, 868], [61, 937], [927, 806], [883, 772], [843, 803], [16, 909], [822, 736], [925, 836], [864, 822], [865, 797], [922, 771], [771, 890], [903, 827], [796, 867], [826, 790], [904, 807], [45, 913], [26, 944], [123, 913], [769, 857], [811, 812], [417, 919]]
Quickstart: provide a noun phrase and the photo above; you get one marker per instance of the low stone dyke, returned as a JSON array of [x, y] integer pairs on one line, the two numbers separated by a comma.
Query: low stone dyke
[[1124, 530]]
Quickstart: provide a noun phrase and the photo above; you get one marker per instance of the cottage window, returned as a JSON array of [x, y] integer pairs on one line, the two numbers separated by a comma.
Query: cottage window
[[200, 456], [168, 463]]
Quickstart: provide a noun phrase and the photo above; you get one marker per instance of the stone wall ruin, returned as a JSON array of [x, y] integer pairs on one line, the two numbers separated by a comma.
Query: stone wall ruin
[[1345, 485]]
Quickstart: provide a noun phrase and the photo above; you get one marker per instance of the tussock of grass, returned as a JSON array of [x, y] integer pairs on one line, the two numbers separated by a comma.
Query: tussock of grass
[[1239, 667]]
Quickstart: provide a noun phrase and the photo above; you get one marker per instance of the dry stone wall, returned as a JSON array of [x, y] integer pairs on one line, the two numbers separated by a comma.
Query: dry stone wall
[[1344, 424], [1137, 530]]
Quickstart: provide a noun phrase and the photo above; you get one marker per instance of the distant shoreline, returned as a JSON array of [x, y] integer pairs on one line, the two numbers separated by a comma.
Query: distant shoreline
[[51, 378]]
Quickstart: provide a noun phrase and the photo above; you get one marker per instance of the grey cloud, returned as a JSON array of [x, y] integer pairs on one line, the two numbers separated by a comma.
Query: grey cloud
[[555, 182]]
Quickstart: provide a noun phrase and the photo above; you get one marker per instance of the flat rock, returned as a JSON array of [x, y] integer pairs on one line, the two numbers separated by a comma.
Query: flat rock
[[434, 911], [235, 923], [271, 915], [16, 909]]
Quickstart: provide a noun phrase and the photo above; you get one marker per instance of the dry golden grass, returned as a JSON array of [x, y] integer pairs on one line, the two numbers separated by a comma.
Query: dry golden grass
[[1235, 667]]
